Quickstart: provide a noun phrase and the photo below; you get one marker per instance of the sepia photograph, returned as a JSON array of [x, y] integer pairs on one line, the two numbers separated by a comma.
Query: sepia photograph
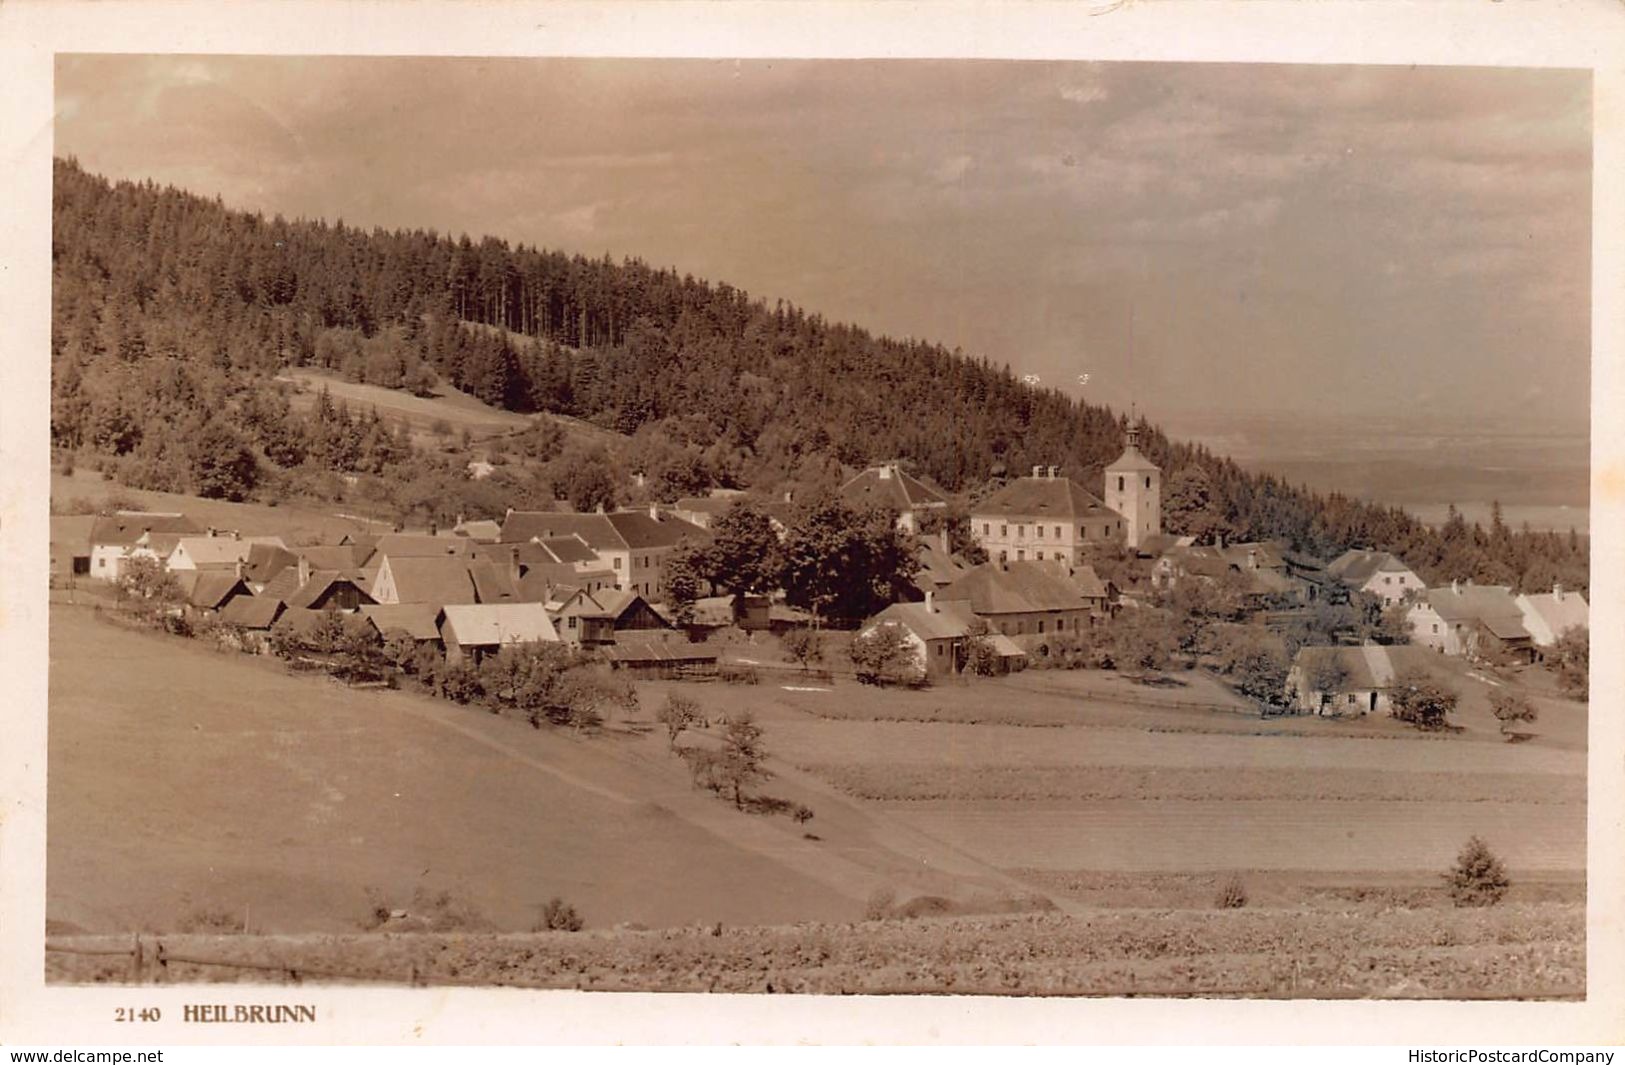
[[750, 525]]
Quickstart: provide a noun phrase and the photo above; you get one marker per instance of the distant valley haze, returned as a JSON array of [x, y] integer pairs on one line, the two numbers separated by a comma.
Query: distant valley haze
[[1293, 264]]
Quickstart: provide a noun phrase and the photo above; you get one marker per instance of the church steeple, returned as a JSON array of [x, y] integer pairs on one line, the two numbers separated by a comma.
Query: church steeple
[[1134, 490]]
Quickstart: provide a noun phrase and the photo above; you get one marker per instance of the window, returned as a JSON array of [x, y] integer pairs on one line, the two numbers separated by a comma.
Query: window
[[1004, 556], [101, 563], [1040, 626], [1352, 699], [1040, 556], [1057, 532], [572, 623], [1401, 578], [1388, 580], [1041, 532], [1148, 482], [617, 562], [1435, 628], [939, 650], [987, 529], [1120, 484], [1004, 530], [1021, 531], [1020, 554]]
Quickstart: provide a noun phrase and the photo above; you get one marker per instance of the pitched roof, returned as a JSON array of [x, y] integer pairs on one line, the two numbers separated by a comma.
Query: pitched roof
[[1017, 588], [943, 620], [1367, 667], [1132, 461], [658, 651], [336, 556], [889, 485], [210, 588], [74, 529], [265, 561], [641, 530], [1547, 617], [126, 526], [594, 529], [485, 531], [1476, 602], [494, 624], [302, 621], [253, 611], [320, 582], [437, 580], [1042, 498], [412, 545], [567, 549], [421, 621], [218, 550], [618, 601], [1357, 567]]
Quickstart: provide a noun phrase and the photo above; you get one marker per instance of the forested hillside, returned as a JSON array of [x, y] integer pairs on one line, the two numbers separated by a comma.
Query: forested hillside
[[172, 313]]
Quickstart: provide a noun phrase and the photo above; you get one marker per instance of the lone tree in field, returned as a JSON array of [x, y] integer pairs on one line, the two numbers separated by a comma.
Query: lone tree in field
[[1422, 701], [1511, 710], [742, 755], [1478, 878], [679, 713], [803, 645], [883, 656]]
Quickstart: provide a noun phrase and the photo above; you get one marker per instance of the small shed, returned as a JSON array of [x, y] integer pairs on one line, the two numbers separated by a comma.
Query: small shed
[[667, 659]]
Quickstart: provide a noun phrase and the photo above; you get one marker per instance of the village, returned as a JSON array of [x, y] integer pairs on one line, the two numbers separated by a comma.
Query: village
[[1050, 574]]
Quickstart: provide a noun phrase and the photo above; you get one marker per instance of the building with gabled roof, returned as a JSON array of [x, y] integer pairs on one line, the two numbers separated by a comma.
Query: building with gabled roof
[[1377, 573], [1362, 678], [113, 537], [420, 621], [70, 545], [1032, 600], [417, 545], [935, 632], [634, 544], [1042, 518], [1471, 620], [1549, 616], [252, 612], [210, 590], [214, 552], [476, 630], [889, 485], [264, 563], [441, 581]]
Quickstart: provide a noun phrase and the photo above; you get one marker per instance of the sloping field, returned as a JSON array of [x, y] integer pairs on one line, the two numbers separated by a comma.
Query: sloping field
[[1528, 951], [295, 524], [186, 781]]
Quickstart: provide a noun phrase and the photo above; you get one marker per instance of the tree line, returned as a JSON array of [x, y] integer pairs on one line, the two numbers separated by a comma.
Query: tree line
[[156, 287]]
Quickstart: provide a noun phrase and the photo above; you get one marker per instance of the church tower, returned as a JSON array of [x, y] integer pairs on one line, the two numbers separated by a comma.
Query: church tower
[[1134, 490]]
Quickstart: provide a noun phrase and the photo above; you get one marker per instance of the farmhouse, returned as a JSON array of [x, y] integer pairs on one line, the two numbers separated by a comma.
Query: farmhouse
[[1377, 573], [441, 581], [1343, 681], [1031, 600], [1258, 572], [1548, 617], [1471, 620], [253, 615], [634, 544], [889, 485], [303, 588], [264, 563], [419, 621], [629, 610], [207, 591], [934, 631], [113, 538], [474, 631], [1041, 518], [214, 552]]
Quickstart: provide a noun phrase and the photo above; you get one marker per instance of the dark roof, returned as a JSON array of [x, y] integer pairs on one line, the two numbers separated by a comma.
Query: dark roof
[[303, 621], [210, 588], [1357, 567], [438, 580], [566, 549], [336, 557], [126, 527], [889, 485], [658, 651], [618, 602], [1022, 587], [1044, 498], [594, 529], [320, 582], [640, 530], [421, 621], [252, 611], [265, 561]]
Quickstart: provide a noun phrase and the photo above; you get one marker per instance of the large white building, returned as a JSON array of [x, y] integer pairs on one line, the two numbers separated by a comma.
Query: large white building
[[1047, 516]]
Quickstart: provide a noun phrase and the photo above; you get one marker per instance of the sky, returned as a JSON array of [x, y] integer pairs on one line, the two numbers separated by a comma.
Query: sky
[[1397, 244]]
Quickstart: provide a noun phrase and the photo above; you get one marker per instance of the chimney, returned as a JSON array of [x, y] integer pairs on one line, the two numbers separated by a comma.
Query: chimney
[[930, 602], [1038, 471], [515, 570], [1053, 470], [944, 536], [787, 494], [434, 529], [239, 569], [654, 512], [236, 534], [885, 472], [211, 531], [599, 509], [1557, 591], [460, 518], [1252, 558], [304, 571], [508, 515], [1455, 585]]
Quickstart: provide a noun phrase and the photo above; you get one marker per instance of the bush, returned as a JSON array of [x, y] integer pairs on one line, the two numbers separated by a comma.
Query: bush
[[805, 646], [1421, 701], [1479, 878], [1511, 710], [679, 713], [1232, 894], [559, 916], [883, 656]]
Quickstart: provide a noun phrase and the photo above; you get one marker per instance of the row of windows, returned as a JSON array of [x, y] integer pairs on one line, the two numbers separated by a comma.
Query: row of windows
[[1021, 531], [1122, 483]]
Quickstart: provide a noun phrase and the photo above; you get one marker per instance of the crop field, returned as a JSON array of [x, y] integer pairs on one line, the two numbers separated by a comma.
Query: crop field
[[1508, 951]]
